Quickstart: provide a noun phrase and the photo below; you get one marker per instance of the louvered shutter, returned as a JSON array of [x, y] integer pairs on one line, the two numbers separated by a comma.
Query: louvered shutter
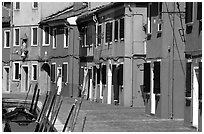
[[120, 74], [188, 79], [104, 74], [156, 77], [146, 77]]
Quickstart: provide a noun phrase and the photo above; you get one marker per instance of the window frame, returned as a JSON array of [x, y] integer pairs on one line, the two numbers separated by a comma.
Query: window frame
[[106, 42], [14, 39], [32, 74], [5, 38], [44, 33], [32, 36], [54, 38], [14, 71], [33, 3], [66, 37], [67, 71], [16, 6]]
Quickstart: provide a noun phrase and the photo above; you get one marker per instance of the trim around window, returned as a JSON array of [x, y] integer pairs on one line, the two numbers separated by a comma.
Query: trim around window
[[7, 40], [14, 35], [32, 37], [44, 36], [16, 77]]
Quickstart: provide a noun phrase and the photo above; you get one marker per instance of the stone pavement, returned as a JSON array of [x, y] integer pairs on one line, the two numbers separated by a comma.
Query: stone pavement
[[111, 118]]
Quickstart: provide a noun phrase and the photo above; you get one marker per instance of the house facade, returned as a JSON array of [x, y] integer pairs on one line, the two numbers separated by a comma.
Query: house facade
[[112, 48], [6, 45], [193, 55], [60, 50], [164, 70], [25, 43]]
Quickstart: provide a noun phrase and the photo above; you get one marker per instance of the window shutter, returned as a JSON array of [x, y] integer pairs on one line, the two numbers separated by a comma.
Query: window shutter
[[200, 81], [81, 78], [156, 77], [116, 30], [46, 35], [120, 74], [146, 77], [64, 72], [115, 83], [108, 32], [154, 9], [104, 74], [93, 29], [35, 36], [99, 34], [98, 76], [122, 28], [113, 69], [188, 79], [17, 36], [199, 10], [53, 72], [189, 12]]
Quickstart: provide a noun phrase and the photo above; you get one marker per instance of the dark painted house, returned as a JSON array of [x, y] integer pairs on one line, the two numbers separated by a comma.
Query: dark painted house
[[193, 55], [6, 44], [60, 50], [164, 71], [112, 51]]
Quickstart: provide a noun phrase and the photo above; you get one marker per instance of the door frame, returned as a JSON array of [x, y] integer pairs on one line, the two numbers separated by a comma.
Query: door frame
[[22, 67], [3, 89]]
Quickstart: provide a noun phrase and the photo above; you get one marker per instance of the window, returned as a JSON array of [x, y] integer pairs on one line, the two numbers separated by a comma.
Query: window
[[65, 72], [108, 38], [85, 37], [99, 34], [88, 36], [7, 39], [199, 10], [54, 38], [35, 5], [16, 71], [53, 68], [34, 35], [17, 6], [66, 38], [93, 31], [16, 37], [159, 27], [46, 36], [122, 29], [160, 10], [116, 31], [189, 12], [34, 72]]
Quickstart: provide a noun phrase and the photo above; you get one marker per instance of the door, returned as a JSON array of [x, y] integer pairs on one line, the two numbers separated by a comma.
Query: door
[[24, 79], [6, 79]]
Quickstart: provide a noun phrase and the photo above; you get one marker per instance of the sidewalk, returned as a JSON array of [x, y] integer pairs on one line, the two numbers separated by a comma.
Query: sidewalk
[[111, 118]]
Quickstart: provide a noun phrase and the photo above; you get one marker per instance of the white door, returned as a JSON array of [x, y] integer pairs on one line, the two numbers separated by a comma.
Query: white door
[[195, 97], [153, 103]]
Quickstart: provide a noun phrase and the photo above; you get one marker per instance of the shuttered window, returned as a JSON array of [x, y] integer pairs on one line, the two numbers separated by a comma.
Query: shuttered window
[[99, 34], [53, 68], [122, 28], [188, 79], [156, 77], [64, 72], [189, 12], [146, 77], [104, 74], [17, 5], [116, 31], [7, 39], [93, 36], [149, 17], [98, 75], [120, 74], [200, 81], [109, 32], [17, 37], [154, 9], [46, 35], [199, 10], [16, 71], [113, 69]]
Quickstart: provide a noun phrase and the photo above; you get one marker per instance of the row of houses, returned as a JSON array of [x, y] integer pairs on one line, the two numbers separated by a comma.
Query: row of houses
[[123, 53]]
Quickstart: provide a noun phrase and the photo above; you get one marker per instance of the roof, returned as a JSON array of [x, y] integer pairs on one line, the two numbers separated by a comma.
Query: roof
[[63, 14], [97, 10]]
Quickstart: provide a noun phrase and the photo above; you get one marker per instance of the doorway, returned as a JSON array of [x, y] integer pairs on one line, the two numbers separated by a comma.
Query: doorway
[[6, 72], [24, 79]]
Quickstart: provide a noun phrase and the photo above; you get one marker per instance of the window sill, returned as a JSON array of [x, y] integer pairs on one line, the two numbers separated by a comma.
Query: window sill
[[33, 45], [189, 24], [16, 80], [6, 47], [45, 45]]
